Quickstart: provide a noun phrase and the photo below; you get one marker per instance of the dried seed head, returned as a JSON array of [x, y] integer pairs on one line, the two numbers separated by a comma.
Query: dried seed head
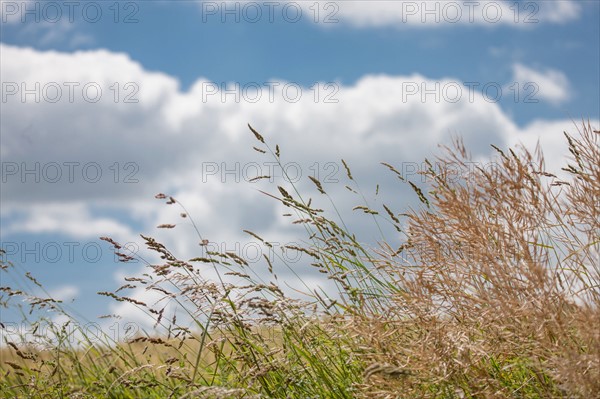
[[165, 226], [318, 184], [256, 134], [347, 170]]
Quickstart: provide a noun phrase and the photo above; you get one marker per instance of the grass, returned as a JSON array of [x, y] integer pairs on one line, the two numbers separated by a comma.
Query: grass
[[494, 293]]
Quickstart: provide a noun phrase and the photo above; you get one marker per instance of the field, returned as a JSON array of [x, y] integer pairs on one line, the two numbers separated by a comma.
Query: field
[[495, 293]]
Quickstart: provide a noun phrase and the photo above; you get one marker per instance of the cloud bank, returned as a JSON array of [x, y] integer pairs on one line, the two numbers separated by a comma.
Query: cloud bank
[[90, 136]]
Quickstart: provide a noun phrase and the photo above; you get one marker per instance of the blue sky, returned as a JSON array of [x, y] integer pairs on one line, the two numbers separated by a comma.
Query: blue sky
[[187, 41], [171, 139]]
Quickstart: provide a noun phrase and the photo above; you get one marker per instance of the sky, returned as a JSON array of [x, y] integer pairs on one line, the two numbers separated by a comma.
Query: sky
[[106, 104]]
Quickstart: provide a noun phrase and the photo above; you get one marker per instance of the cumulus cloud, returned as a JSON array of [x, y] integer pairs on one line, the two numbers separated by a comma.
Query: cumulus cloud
[[75, 165], [549, 84], [75, 151]]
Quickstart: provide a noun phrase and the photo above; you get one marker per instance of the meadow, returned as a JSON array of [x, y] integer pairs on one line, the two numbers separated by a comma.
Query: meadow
[[494, 293]]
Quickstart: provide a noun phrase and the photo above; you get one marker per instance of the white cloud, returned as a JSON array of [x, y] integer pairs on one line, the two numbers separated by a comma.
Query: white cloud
[[559, 12], [549, 85], [73, 220], [186, 143], [448, 13], [549, 135]]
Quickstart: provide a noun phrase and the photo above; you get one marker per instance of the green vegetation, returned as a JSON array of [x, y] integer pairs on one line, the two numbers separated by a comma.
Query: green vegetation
[[494, 293]]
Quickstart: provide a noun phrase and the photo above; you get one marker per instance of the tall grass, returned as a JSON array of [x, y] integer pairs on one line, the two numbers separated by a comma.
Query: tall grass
[[494, 292]]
